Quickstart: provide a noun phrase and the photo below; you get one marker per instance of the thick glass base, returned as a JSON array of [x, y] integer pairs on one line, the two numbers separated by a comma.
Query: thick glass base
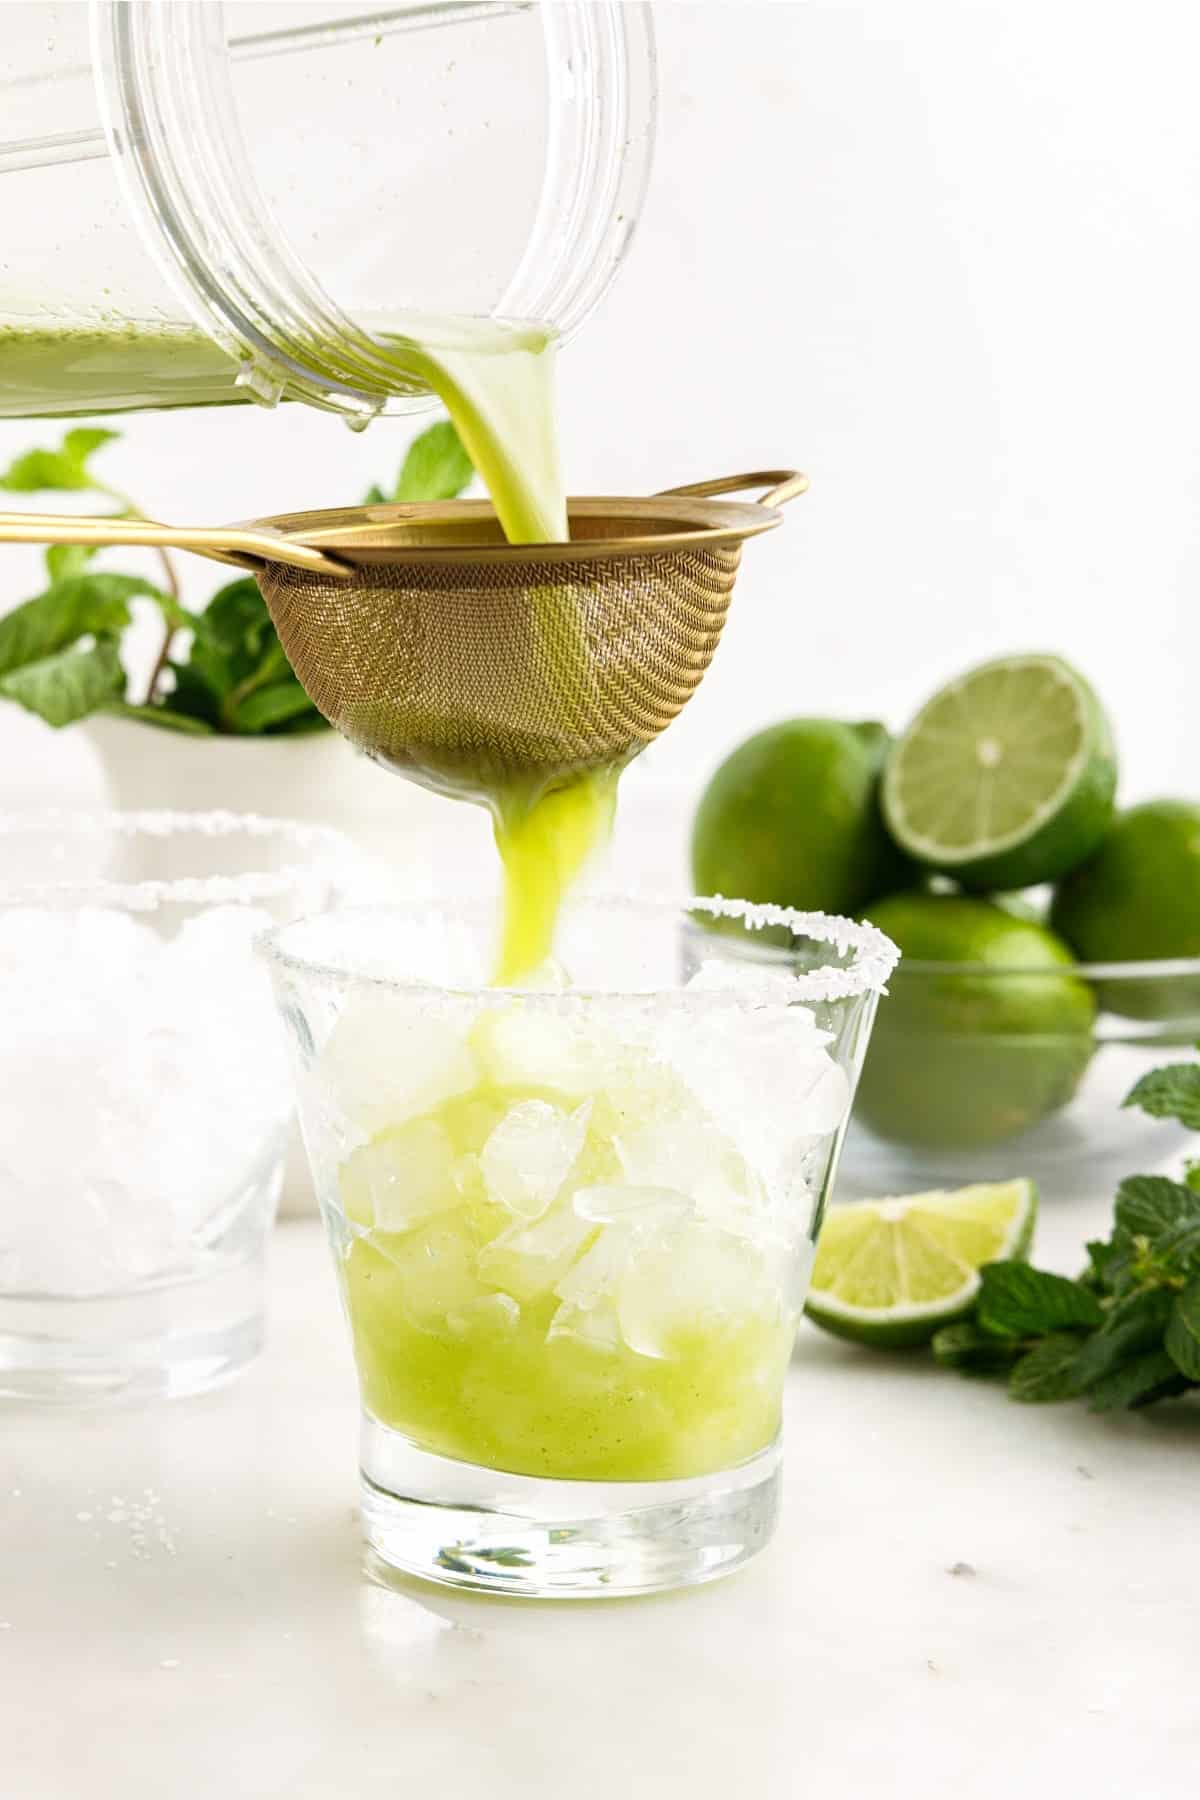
[[470, 1527], [178, 1338]]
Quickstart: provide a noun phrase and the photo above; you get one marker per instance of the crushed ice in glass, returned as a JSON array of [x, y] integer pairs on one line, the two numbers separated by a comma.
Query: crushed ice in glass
[[613, 1180], [143, 1093]]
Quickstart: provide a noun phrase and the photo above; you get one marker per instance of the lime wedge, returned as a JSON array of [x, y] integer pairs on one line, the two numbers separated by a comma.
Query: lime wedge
[[1006, 777], [892, 1272]]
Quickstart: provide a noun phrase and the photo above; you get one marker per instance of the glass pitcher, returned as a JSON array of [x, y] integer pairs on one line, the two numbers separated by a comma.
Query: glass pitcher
[[209, 203]]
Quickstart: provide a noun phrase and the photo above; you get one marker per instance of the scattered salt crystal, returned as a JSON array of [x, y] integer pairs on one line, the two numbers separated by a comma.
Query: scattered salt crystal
[[169, 1662], [84, 1518]]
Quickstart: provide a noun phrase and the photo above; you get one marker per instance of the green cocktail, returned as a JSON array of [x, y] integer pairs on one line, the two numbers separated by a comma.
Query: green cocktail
[[516, 1302], [572, 1227]]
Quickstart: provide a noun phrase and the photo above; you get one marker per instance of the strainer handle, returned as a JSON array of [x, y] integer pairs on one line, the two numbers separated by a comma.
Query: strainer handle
[[245, 546], [783, 485]]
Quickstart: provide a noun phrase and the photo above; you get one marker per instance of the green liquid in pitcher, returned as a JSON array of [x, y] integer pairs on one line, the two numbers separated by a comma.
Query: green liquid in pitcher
[[62, 373]]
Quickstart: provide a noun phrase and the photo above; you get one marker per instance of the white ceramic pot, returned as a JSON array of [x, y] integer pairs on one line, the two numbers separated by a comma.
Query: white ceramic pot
[[412, 844], [418, 844]]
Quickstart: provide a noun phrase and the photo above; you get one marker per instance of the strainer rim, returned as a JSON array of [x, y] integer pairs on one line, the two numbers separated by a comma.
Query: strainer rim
[[703, 523]]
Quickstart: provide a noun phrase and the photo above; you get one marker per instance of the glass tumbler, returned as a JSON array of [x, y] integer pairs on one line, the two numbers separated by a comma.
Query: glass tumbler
[[144, 1093], [572, 1226]]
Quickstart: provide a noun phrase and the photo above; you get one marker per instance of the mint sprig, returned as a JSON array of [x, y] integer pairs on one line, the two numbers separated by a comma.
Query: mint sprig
[[64, 469], [1126, 1333], [1170, 1093], [220, 671]]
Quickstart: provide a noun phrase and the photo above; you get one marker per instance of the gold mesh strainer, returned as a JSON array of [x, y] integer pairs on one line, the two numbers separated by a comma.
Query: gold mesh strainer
[[470, 663]]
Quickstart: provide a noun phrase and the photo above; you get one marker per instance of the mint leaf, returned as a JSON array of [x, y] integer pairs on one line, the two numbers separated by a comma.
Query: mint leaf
[[965, 1347], [374, 496], [1150, 1204], [303, 724], [236, 677], [161, 716], [277, 704], [1149, 1377], [237, 626], [1177, 1251], [1133, 1325], [1183, 1331], [64, 470], [69, 685], [1017, 1301], [1170, 1093], [192, 696], [1102, 1265], [233, 640], [80, 606], [1047, 1372], [436, 467], [65, 560]]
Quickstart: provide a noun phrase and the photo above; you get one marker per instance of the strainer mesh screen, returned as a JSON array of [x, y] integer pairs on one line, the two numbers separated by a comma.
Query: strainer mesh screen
[[474, 672]]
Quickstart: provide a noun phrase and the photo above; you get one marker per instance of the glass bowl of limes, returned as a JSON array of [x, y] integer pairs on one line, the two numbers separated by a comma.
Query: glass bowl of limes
[[1050, 941], [1016, 1059]]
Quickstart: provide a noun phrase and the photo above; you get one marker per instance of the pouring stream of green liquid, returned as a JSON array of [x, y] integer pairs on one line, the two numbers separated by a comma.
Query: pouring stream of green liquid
[[502, 402]]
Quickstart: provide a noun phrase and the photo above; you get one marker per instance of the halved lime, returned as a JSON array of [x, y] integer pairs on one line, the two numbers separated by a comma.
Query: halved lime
[[1006, 777], [892, 1272]]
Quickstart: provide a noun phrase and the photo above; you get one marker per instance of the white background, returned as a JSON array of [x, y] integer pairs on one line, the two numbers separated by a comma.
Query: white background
[[942, 254]]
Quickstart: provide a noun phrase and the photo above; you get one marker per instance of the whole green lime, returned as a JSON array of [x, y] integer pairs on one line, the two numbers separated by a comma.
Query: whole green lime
[[984, 1030], [1137, 899], [793, 817]]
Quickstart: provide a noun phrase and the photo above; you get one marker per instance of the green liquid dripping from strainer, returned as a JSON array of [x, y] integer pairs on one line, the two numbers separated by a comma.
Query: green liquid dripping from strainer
[[497, 385]]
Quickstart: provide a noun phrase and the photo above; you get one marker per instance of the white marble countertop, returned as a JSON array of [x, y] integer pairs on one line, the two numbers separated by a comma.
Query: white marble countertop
[[964, 1598]]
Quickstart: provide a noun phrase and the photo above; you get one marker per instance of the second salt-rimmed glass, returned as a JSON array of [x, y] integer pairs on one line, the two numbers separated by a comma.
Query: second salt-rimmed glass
[[573, 1226], [145, 1103]]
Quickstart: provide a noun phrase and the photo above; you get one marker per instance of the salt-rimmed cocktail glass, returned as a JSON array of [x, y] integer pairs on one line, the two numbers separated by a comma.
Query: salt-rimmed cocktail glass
[[145, 1097], [573, 1227]]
